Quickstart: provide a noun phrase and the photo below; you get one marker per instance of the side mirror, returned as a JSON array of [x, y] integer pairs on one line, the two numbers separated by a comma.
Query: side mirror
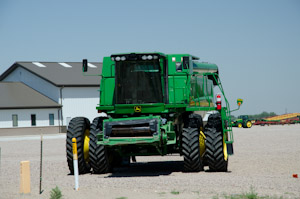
[[84, 65], [239, 102]]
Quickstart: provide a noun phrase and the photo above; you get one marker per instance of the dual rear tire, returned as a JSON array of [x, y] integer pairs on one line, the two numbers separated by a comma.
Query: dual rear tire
[[99, 155], [90, 155], [216, 151], [191, 143], [191, 150], [78, 128], [200, 149]]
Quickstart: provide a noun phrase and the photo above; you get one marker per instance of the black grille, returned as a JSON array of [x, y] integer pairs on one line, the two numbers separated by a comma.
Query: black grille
[[131, 128]]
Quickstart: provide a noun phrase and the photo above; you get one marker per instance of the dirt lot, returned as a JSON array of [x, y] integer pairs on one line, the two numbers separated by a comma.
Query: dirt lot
[[265, 159]]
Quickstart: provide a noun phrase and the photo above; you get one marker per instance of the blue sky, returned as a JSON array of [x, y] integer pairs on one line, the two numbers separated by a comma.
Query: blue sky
[[256, 44]]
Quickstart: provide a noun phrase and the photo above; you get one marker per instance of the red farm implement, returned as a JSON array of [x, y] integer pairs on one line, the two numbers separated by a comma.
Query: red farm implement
[[291, 118]]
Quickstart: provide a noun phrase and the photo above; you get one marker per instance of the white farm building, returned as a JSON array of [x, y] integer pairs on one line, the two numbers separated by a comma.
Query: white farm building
[[47, 94]]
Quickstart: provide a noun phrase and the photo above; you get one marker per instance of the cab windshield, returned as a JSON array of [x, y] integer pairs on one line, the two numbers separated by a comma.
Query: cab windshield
[[138, 82]]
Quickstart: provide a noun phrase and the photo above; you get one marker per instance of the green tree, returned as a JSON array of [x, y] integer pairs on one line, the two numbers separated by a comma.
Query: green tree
[[264, 114]]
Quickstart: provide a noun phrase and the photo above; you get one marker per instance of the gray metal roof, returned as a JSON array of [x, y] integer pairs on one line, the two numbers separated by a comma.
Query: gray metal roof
[[16, 95], [61, 73]]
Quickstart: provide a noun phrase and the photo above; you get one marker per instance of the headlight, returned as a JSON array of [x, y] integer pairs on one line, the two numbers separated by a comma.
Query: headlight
[[118, 58]]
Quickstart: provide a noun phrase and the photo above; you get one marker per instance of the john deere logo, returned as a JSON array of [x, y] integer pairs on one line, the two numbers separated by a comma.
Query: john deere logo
[[137, 109]]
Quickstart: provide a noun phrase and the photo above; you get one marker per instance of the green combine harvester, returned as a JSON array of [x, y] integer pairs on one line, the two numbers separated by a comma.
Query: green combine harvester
[[153, 104]]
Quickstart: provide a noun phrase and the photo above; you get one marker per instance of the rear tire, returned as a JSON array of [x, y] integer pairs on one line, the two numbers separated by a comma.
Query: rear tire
[[215, 144], [78, 128], [248, 124], [191, 150], [99, 155]]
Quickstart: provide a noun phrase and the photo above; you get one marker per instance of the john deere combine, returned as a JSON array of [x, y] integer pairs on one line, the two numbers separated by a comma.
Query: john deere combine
[[153, 104]]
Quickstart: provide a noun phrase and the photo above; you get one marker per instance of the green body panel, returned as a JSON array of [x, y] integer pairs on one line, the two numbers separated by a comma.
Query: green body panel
[[178, 89], [107, 82], [184, 90], [108, 68], [107, 91]]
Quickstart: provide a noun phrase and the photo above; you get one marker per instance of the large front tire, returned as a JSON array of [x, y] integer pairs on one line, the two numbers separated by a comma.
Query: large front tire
[[191, 150], [240, 125], [78, 128], [99, 154]]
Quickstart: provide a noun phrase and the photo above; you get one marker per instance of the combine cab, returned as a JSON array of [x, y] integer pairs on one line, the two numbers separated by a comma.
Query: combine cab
[[153, 104]]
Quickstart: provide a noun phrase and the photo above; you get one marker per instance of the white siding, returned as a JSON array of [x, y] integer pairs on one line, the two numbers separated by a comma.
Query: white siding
[[75, 101], [79, 101], [35, 82], [24, 117]]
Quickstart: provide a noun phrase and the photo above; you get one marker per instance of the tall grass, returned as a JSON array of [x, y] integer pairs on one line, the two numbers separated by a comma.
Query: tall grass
[[55, 193]]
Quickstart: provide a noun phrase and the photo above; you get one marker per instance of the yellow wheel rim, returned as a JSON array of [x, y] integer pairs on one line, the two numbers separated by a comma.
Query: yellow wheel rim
[[249, 124], [240, 125], [202, 143], [86, 145], [225, 149]]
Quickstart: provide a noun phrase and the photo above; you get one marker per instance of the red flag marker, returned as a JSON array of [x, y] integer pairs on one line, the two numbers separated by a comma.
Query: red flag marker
[[295, 175]]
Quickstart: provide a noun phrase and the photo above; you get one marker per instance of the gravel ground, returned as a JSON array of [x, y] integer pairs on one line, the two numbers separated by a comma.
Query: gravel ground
[[265, 159]]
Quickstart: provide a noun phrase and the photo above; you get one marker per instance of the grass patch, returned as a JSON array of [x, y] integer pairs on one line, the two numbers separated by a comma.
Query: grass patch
[[56, 193], [122, 198], [175, 192], [248, 195], [252, 194]]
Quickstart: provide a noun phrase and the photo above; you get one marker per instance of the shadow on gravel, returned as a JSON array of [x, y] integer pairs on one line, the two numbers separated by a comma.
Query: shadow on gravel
[[142, 169], [210, 171]]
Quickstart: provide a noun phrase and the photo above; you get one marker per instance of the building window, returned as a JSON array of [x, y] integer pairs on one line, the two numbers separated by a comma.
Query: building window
[[15, 120], [51, 119], [33, 120]]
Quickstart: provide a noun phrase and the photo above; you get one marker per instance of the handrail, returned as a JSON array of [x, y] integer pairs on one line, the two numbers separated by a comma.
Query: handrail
[[226, 127]]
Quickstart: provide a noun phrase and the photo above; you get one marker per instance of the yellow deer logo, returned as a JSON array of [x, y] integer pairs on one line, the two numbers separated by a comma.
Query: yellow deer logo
[[137, 109]]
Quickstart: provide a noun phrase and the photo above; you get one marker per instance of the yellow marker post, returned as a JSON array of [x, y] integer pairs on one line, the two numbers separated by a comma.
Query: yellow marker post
[[75, 163], [25, 177]]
